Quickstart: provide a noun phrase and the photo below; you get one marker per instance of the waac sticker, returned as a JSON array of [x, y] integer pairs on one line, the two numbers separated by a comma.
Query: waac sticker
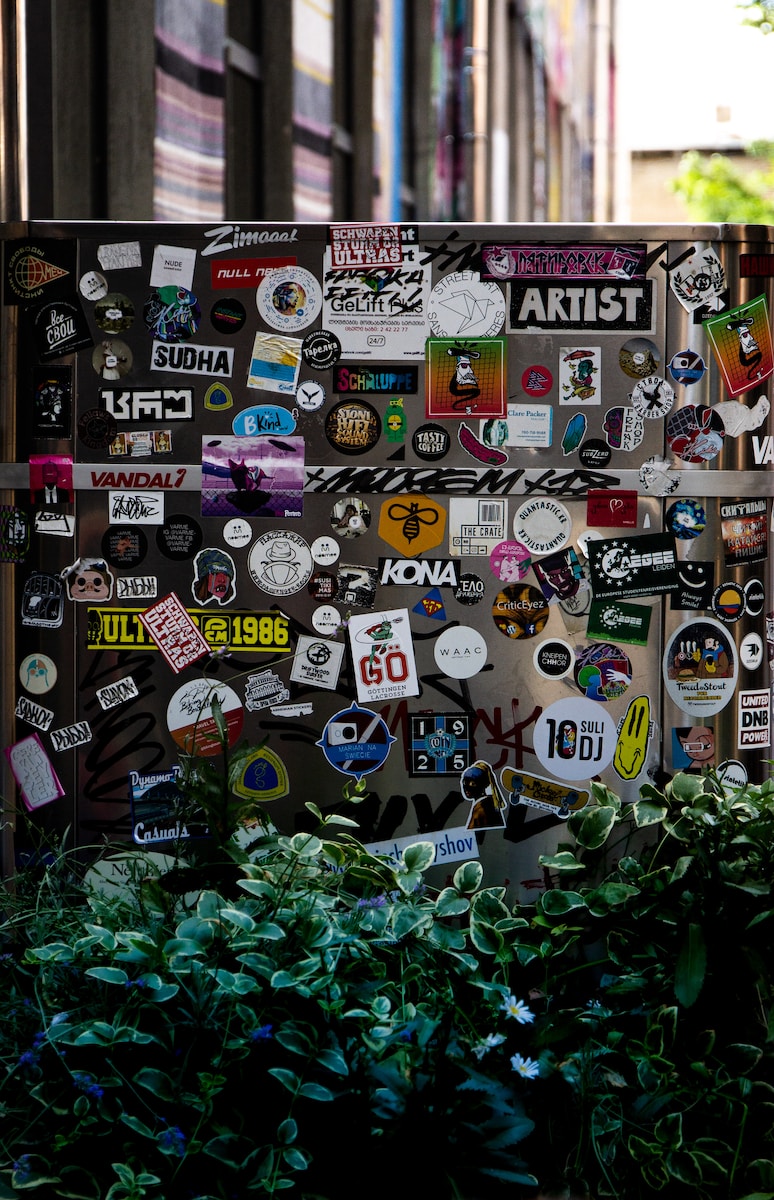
[[700, 667]]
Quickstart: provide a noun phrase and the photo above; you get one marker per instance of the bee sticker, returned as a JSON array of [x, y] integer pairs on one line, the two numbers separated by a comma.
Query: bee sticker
[[412, 524]]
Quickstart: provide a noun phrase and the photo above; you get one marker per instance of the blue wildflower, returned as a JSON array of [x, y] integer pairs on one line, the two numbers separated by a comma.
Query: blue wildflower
[[22, 1169], [262, 1033], [172, 1141], [376, 902], [88, 1085], [28, 1059]]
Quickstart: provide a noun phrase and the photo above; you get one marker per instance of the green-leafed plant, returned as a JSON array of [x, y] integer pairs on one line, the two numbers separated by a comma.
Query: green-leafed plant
[[653, 955]]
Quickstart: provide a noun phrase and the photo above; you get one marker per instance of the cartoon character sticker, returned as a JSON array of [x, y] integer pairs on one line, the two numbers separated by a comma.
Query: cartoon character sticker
[[88, 579], [693, 747], [700, 667], [577, 368], [742, 345], [214, 576]]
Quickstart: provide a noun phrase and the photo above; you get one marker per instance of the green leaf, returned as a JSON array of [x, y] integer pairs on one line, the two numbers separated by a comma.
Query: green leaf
[[691, 966], [565, 860], [108, 974], [591, 826], [451, 904], [288, 1079], [467, 878], [315, 1091], [419, 856], [136, 1124], [294, 1041], [297, 1160], [306, 845], [229, 1148], [645, 812], [686, 787], [334, 1061], [485, 937], [555, 903], [407, 920], [287, 1132], [157, 1082]]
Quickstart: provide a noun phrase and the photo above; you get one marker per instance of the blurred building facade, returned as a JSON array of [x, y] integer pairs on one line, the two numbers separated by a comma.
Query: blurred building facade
[[308, 110]]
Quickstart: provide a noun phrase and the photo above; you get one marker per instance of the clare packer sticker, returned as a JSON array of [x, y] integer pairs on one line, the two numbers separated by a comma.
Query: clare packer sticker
[[636, 566], [754, 719], [542, 524], [460, 652], [700, 667], [383, 655], [574, 739], [317, 662]]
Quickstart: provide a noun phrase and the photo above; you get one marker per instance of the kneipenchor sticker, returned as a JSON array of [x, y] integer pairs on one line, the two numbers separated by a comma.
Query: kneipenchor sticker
[[700, 667]]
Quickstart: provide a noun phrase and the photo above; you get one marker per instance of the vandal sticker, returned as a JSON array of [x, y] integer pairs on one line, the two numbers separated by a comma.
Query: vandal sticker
[[70, 736], [33, 713]]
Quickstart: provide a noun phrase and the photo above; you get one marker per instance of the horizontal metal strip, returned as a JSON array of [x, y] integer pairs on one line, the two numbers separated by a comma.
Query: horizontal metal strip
[[448, 481]]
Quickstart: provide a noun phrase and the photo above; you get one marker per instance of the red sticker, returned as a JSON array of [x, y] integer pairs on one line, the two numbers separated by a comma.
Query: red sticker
[[612, 509], [537, 381]]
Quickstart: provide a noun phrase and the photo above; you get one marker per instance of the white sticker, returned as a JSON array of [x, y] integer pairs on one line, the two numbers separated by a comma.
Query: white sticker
[[542, 524], [317, 662], [699, 667], [326, 620], [173, 264], [462, 305], [574, 739], [289, 298], [476, 526], [523, 425], [460, 652], [383, 655], [116, 693], [751, 651], [139, 508], [119, 256], [237, 532], [37, 674], [754, 719], [325, 550]]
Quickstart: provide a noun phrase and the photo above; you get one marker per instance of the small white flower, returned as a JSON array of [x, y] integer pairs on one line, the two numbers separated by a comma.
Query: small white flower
[[518, 1009], [488, 1043], [526, 1067]]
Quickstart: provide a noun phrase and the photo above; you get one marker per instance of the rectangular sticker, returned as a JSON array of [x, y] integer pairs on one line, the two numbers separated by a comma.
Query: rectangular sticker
[[465, 377], [476, 526], [136, 587], [113, 694], [141, 508], [744, 529], [34, 714], [601, 307], [253, 477], [741, 342], [383, 656], [451, 845], [523, 425], [173, 265], [157, 802], [245, 272], [356, 246], [275, 363], [247, 632], [614, 509], [633, 566], [754, 723], [148, 404], [620, 622], [70, 736], [577, 368], [378, 312], [33, 772], [439, 744], [119, 256], [264, 690], [317, 662], [173, 631], [582, 261], [193, 360]]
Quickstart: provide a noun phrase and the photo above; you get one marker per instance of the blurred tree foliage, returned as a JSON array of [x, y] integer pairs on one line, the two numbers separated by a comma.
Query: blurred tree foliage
[[714, 187]]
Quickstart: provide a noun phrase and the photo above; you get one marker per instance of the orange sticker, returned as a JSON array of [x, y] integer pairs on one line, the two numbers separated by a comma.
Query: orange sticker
[[412, 524]]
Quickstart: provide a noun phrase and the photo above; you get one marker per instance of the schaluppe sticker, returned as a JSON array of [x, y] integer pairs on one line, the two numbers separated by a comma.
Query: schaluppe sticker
[[700, 667]]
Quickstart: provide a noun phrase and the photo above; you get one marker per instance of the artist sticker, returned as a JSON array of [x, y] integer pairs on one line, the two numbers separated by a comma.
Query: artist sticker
[[432, 442], [695, 433], [257, 477], [439, 744], [700, 667], [352, 426], [412, 524], [520, 611], [476, 526], [577, 368], [280, 562], [350, 518], [744, 529], [172, 314], [383, 655], [545, 794], [611, 508], [462, 305], [479, 786], [381, 312], [542, 524], [685, 519], [192, 721], [460, 652], [652, 397], [317, 663], [741, 343], [481, 451], [275, 363], [32, 769], [356, 741], [553, 659], [173, 631], [635, 730], [687, 367], [602, 671], [628, 623], [214, 576], [289, 299], [636, 566], [465, 377], [574, 739], [88, 580]]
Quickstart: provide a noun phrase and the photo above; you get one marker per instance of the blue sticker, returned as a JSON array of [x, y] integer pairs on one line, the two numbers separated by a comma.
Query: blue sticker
[[263, 419], [356, 741]]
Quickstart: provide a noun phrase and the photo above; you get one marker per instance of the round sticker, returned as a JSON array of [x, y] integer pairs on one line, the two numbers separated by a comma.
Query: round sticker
[[191, 721], [595, 454], [431, 442], [731, 773], [463, 305], [111, 359], [695, 433], [699, 667], [280, 562], [470, 589], [553, 659], [639, 357], [321, 349], [172, 313], [356, 741], [754, 597], [114, 312], [350, 517], [237, 532], [97, 428], [228, 316], [460, 652], [653, 397], [602, 672], [325, 550], [352, 426], [520, 612], [124, 546], [728, 602], [574, 739], [322, 585], [326, 620], [510, 561], [179, 538], [310, 395], [687, 367], [37, 674], [289, 298], [686, 519], [542, 524], [537, 381], [93, 286], [751, 651]]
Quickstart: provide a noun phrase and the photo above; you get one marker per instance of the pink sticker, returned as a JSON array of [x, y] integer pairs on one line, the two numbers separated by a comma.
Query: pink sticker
[[174, 632]]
